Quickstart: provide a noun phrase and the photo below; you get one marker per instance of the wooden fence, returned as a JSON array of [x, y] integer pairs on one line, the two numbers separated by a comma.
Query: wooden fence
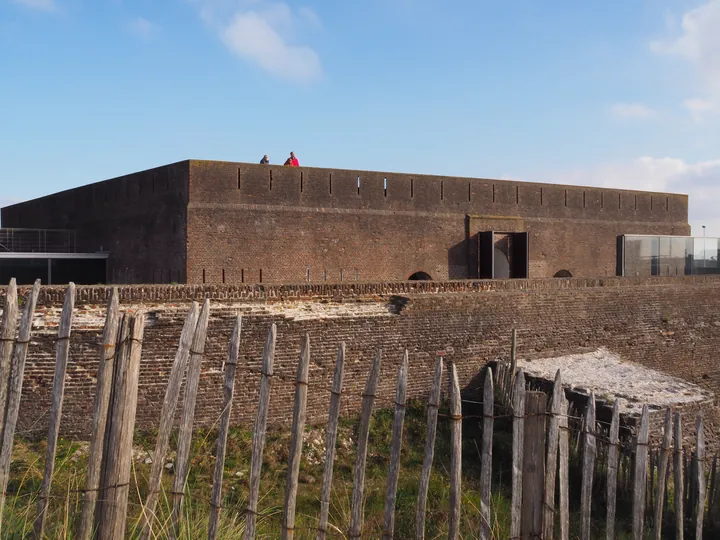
[[614, 464]]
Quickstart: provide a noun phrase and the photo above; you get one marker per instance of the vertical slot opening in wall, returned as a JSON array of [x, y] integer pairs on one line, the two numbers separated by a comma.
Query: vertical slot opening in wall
[[341, 274], [330, 184], [667, 204], [302, 177], [602, 200], [635, 202], [223, 275], [651, 202], [261, 275], [493, 192], [583, 198], [412, 188], [469, 192], [385, 186], [619, 200], [566, 197], [203, 275], [239, 176], [242, 275], [357, 275], [307, 274], [442, 190], [541, 196], [517, 194], [325, 274], [270, 181], [358, 185]]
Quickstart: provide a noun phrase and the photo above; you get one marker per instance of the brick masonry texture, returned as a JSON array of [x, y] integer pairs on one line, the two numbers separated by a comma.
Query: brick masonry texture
[[221, 222], [668, 324]]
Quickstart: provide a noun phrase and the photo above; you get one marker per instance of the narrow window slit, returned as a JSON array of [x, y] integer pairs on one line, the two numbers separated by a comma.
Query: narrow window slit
[[301, 181], [667, 204], [541, 196], [635, 202], [261, 275], [651, 202], [270, 180], [385, 186], [203, 275], [223, 275], [242, 275], [517, 194], [238, 179], [469, 193], [583, 198], [566, 197], [493, 192], [358, 184], [602, 200], [442, 190], [330, 183], [412, 188], [619, 200]]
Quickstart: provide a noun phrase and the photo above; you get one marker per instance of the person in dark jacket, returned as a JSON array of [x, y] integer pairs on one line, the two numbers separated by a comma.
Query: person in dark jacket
[[265, 160]]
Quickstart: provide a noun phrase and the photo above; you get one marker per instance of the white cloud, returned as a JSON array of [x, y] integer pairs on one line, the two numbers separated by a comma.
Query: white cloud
[[262, 33], [700, 181], [632, 110], [142, 27], [701, 108], [40, 5]]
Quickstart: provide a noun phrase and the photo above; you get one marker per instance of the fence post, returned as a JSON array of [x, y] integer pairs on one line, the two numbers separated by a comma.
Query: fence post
[[486, 463], [640, 479], [662, 475], [588, 470], [100, 412], [700, 453], [533, 465], [15, 382], [197, 351], [167, 418], [228, 390], [330, 440], [368, 399], [456, 454], [612, 471], [258, 443], [7, 342], [432, 415], [296, 441], [394, 467], [563, 471], [551, 462], [678, 465], [58, 394], [517, 454]]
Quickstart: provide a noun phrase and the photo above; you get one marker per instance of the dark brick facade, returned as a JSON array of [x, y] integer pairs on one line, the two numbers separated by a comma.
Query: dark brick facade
[[669, 324], [221, 222]]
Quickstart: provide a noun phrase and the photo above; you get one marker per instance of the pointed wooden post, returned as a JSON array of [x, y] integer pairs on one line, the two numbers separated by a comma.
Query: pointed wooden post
[[563, 471], [517, 454], [551, 462], [368, 399], [330, 441], [298, 429], [640, 479], [228, 391], [589, 455], [17, 372], [58, 394], [678, 466], [455, 455], [100, 412], [486, 460], [662, 475], [182, 456], [612, 471], [7, 343], [258, 443], [533, 474], [394, 468], [167, 419], [700, 483]]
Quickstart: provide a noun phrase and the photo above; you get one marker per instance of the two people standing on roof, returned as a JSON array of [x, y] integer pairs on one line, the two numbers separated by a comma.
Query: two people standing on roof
[[292, 161]]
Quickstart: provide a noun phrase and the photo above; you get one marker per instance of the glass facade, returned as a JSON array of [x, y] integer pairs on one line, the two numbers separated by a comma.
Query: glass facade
[[642, 255]]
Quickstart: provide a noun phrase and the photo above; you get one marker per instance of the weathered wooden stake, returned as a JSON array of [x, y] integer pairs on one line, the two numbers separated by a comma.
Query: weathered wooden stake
[[330, 441], [167, 419], [394, 468], [228, 390], [486, 460], [296, 440], [612, 471], [589, 455], [551, 462], [17, 371], [563, 472], [455, 454], [368, 399], [533, 465], [678, 466], [182, 456], [517, 454], [258, 443], [100, 413], [640, 479], [662, 475], [58, 394], [700, 483], [7, 343]]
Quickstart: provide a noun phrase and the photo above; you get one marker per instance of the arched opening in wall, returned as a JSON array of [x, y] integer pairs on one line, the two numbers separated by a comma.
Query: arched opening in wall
[[420, 276], [501, 264], [563, 273]]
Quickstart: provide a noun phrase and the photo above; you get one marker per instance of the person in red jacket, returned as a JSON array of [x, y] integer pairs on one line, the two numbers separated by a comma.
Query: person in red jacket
[[292, 161]]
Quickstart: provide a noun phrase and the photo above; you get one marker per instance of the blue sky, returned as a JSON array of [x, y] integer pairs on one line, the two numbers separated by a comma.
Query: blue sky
[[619, 93]]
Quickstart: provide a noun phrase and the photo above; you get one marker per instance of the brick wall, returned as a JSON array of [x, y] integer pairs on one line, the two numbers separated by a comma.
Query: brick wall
[[670, 324]]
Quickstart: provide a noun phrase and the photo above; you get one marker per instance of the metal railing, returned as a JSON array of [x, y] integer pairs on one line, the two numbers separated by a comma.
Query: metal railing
[[37, 241]]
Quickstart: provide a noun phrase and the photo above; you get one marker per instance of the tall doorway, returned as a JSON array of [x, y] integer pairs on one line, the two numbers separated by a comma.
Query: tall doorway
[[503, 255]]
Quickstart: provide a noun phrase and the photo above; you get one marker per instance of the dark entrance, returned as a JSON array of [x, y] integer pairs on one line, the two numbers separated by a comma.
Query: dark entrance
[[420, 276], [503, 255]]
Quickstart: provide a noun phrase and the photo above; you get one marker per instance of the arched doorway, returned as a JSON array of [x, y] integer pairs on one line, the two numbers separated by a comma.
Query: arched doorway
[[420, 276], [501, 265], [563, 273]]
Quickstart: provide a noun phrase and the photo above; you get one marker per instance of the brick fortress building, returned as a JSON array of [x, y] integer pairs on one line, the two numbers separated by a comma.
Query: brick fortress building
[[221, 222]]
